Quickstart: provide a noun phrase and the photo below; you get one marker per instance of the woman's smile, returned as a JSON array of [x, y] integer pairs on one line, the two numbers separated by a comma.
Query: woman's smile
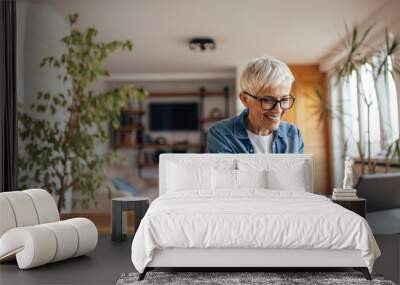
[[275, 118]]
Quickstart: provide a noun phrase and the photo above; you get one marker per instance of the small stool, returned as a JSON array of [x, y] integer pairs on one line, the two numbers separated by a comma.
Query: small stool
[[138, 205]]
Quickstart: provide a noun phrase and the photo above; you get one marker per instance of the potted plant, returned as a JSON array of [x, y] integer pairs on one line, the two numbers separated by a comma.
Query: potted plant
[[357, 54], [61, 155]]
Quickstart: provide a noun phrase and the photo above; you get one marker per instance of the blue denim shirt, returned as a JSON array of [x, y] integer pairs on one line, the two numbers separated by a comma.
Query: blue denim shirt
[[230, 136]]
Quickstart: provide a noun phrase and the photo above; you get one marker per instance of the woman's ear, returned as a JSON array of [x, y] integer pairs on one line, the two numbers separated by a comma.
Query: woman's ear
[[244, 99]]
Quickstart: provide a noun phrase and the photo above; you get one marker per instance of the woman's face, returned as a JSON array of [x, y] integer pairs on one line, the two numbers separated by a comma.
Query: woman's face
[[262, 118]]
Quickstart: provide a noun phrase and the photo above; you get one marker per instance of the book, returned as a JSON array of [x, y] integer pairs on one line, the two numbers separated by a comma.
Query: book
[[340, 196], [339, 190], [344, 194], [345, 198]]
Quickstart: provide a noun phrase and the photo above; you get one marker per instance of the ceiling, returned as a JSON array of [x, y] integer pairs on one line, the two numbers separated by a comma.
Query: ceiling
[[296, 31]]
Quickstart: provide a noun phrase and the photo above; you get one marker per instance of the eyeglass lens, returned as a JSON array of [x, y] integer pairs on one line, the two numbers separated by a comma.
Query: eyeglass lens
[[270, 103]]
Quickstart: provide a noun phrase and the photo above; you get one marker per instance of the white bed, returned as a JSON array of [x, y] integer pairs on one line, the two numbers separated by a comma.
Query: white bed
[[202, 219]]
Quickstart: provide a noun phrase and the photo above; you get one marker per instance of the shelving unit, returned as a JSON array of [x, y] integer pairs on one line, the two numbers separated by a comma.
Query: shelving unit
[[132, 127]]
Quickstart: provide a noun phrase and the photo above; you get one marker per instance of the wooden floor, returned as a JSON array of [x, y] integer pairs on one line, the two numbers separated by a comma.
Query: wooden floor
[[102, 266]]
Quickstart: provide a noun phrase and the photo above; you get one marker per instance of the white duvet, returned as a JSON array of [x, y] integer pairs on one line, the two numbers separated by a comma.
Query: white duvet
[[253, 218]]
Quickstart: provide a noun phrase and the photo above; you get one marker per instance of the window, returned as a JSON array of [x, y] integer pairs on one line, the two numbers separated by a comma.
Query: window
[[359, 92], [389, 107]]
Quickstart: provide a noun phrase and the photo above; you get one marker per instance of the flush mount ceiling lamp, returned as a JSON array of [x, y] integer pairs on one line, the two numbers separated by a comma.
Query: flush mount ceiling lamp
[[202, 44]]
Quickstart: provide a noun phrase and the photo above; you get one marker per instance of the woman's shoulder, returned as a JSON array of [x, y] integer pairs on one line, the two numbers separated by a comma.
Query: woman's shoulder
[[224, 126], [288, 129]]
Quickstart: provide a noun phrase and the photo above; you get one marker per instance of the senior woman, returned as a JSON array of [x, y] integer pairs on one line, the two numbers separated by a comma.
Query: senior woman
[[265, 91]]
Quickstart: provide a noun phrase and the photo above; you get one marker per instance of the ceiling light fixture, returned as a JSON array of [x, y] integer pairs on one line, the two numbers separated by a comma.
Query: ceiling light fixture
[[202, 44]]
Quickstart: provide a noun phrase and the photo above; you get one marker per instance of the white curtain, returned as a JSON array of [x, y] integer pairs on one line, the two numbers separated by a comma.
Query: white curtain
[[349, 116], [388, 103], [397, 88]]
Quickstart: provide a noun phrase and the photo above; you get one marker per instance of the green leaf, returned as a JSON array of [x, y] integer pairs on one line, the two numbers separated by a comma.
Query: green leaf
[[73, 18]]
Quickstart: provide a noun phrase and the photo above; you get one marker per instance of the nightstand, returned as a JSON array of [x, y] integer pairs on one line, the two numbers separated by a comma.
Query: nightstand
[[358, 206], [138, 205]]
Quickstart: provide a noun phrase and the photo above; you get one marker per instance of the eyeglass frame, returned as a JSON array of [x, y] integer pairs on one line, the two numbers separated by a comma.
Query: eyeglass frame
[[259, 99]]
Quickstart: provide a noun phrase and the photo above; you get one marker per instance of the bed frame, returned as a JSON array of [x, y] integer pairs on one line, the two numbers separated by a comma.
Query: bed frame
[[238, 259], [248, 259]]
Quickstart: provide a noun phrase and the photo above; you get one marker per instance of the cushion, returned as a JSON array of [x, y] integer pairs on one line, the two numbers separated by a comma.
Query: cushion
[[67, 240], [251, 179], [87, 233], [226, 179], [7, 220], [223, 179], [188, 175], [45, 205], [279, 180], [290, 174], [40, 244], [32, 246], [23, 208], [26, 208], [121, 185], [183, 178]]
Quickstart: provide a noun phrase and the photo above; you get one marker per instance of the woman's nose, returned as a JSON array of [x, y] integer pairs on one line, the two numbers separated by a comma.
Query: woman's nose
[[277, 108]]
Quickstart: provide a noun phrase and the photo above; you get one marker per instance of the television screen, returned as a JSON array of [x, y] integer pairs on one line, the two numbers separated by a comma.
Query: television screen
[[174, 116]]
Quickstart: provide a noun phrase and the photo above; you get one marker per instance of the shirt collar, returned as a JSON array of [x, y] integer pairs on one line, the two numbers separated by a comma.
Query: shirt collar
[[240, 127]]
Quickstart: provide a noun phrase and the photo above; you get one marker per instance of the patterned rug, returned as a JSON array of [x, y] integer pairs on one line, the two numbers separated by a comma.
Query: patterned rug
[[242, 278]]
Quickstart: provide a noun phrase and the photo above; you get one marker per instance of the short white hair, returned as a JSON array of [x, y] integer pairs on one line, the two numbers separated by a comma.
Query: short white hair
[[264, 72]]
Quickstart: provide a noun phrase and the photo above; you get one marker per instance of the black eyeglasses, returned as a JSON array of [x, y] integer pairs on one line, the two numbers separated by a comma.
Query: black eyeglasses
[[268, 103]]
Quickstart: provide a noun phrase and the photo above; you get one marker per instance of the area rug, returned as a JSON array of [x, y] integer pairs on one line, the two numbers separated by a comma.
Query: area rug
[[269, 278]]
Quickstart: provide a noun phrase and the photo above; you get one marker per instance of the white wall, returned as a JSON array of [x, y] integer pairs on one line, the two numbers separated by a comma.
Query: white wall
[[40, 29]]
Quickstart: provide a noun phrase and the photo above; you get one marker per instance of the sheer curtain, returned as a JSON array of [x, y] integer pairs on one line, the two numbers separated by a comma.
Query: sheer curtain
[[349, 125], [388, 103]]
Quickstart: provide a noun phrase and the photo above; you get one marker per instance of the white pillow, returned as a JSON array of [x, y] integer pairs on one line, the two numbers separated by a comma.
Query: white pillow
[[291, 173], [293, 179], [183, 178], [225, 179], [185, 175], [251, 179]]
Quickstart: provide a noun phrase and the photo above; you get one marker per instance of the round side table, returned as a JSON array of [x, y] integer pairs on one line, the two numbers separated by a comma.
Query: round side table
[[138, 205]]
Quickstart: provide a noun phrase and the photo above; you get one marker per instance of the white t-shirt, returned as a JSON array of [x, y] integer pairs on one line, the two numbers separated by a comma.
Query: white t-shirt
[[261, 144]]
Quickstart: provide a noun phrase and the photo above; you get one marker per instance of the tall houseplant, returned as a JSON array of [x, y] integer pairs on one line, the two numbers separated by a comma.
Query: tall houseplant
[[357, 54], [61, 155]]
